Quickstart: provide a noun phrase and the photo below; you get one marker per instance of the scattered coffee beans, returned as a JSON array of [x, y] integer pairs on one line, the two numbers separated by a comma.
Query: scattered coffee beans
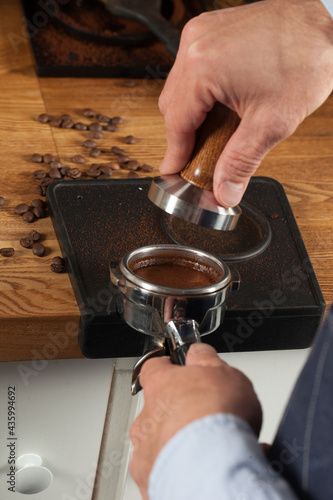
[[95, 126], [132, 165], [21, 209], [37, 158], [54, 173], [67, 123], [78, 159], [74, 173], [26, 242], [118, 151], [117, 120], [55, 164], [103, 118], [146, 168], [39, 174], [129, 139], [35, 235], [38, 203], [28, 217], [38, 249], [48, 158], [89, 113], [89, 143], [95, 152], [56, 122], [111, 127], [80, 126], [123, 159], [7, 252], [38, 212], [96, 134], [129, 83], [44, 118], [58, 265]]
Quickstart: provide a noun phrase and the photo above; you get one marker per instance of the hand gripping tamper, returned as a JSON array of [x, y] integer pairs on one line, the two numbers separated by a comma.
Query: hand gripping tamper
[[189, 195]]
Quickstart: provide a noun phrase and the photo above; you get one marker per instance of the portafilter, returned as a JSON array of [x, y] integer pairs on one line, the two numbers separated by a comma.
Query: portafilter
[[174, 294]]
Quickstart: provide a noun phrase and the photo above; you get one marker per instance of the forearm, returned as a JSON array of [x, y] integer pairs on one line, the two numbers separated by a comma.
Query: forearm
[[216, 457]]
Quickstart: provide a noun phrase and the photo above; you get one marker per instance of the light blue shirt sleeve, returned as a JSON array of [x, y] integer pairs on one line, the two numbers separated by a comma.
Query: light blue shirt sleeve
[[329, 6], [216, 458]]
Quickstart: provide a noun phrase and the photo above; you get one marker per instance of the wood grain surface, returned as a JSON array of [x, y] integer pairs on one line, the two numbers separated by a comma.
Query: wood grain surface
[[38, 311]]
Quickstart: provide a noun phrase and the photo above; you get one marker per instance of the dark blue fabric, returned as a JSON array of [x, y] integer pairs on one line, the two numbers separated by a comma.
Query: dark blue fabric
[[302, 451]]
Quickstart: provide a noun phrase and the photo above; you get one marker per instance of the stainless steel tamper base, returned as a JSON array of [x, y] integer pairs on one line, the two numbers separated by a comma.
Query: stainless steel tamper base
[[178, 197]]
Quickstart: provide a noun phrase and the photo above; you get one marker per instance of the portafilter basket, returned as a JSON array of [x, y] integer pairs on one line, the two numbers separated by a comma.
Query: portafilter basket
[[173, 293]]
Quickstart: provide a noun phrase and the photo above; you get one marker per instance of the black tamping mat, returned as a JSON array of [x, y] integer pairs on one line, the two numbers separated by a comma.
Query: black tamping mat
[[279, 304]]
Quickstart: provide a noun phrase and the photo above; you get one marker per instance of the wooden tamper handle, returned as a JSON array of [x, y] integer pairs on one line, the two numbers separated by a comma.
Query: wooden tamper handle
[[212, 136]]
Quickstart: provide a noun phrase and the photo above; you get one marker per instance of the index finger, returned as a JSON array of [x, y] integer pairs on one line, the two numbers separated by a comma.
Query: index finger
[[152, 367]]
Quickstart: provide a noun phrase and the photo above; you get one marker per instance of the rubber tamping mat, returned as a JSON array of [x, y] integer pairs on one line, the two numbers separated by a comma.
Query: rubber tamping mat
[[279, 304]]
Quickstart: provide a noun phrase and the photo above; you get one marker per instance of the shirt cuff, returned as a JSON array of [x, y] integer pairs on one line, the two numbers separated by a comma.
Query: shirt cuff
[[217, 456]]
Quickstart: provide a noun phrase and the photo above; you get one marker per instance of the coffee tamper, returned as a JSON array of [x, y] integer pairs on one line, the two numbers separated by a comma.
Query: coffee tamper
[[189, 195]]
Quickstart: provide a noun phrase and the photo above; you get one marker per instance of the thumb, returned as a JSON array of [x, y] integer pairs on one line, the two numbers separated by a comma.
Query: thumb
[[253, 139], [201, 354]]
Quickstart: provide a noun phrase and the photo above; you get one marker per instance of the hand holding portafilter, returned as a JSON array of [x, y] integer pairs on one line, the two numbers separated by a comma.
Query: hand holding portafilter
[[189, 195]]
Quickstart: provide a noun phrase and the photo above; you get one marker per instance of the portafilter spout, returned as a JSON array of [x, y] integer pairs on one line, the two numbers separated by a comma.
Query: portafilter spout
[[189, 195]]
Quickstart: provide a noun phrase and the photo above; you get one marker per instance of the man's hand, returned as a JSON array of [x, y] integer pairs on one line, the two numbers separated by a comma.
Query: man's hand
[[177, 395], [271, 62]]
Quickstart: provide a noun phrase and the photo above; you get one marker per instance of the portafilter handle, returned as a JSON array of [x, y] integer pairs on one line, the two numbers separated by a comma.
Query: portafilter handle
[[181, 333]]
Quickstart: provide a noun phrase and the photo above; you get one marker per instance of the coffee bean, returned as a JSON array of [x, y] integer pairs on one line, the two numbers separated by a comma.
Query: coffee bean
[[56, 122], [118, 151], [38, 249], [21, 209], [28, 217], [95, 152], [7, 252], [116, 120], [146, 168], [107, 171], [132, 165], [89, 143], [103, 176], [129, 83], [37, 203], [44, 118], [38, 212], [68, 123], [95, 126], [39, 174], [93, 172], [66, 117], [35, 235], [2, 201], [96, 134], [41, 190], [37, 158], [46, 182], [74, 173], [123, 159], [89, 113], [129, 139], [103, 118], [67, 178], [132, 175], [58, 261], [78, 159], [113, 165], [80, 126], [111, 127], [48, 158], [65, 170], [54, 173], [55, 164], [26, 242]]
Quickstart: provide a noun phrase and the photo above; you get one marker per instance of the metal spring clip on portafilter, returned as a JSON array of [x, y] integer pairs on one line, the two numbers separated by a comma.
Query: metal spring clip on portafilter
[[179, 314]]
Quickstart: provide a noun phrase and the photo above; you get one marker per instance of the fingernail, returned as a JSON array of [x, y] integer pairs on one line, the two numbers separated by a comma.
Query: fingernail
[[201, 348], [231, 193]]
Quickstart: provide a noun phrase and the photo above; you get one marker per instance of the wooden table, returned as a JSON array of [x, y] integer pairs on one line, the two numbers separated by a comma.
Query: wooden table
[[38, 311]]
